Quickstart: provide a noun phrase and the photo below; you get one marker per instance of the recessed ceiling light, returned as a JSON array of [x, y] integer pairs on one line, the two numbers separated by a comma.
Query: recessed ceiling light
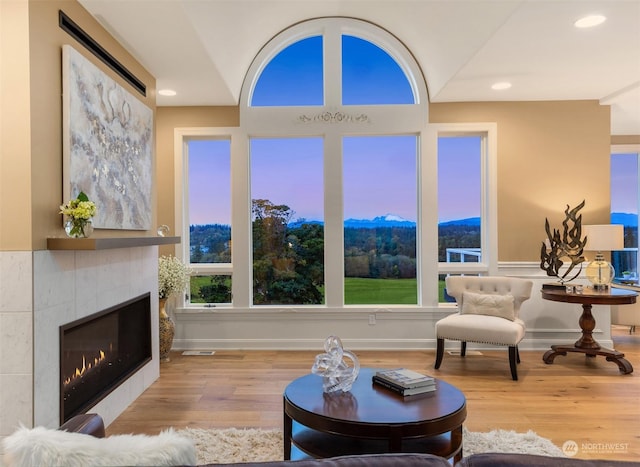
[[500, 86], [590, 21], [167, 92]]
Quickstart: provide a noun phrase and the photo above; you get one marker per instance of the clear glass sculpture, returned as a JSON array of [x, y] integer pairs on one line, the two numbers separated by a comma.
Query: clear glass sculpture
[[337, 374]]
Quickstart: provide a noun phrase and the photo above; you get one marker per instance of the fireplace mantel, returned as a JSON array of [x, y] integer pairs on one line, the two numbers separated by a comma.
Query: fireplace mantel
[[107, 243]]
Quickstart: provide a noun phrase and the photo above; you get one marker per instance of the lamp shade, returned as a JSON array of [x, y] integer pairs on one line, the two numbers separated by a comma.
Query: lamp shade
[[604, 237]]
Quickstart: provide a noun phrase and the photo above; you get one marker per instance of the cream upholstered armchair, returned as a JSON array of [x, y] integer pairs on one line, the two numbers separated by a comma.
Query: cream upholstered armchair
[[488, 309]]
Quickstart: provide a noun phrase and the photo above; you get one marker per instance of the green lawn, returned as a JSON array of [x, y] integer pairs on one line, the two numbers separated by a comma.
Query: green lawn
[[358, 291], [198, 281], [194, 288]]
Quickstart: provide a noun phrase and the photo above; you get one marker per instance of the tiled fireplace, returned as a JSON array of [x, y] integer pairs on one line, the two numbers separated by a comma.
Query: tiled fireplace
[[43, 290]]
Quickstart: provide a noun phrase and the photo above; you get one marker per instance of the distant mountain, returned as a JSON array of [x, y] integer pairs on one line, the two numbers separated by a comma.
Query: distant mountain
[[388, 220], [470, 221], [624, 218]]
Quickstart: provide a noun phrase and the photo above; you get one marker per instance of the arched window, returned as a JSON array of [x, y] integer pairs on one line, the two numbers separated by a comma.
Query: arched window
[[368, 76], [335, 178], [321, 115]]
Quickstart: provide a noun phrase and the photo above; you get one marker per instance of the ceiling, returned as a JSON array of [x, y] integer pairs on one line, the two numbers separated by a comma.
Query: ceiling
[[203, 48]]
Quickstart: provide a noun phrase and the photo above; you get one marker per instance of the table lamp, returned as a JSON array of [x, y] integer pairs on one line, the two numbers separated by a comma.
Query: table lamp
[[605, 237]]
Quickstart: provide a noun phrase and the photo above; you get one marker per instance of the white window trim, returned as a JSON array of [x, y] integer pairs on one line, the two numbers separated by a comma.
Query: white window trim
[[413, 120], [428, 223], [332, 28], [240, 221], [272, 121], [630, 149], [489, 204]]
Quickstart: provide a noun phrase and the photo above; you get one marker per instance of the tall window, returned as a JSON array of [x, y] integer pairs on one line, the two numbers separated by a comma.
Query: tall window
[[625, 199], [460, 190], [209, 219], [361, 189], [343, 197], [459, 199], [287, 221], [380, 211]]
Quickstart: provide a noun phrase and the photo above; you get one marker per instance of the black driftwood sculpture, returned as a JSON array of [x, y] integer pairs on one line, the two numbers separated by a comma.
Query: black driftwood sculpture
[[567, 246]]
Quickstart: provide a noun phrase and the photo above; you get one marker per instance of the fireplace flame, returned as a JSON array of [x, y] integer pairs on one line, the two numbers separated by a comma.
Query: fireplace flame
[[86, 367]]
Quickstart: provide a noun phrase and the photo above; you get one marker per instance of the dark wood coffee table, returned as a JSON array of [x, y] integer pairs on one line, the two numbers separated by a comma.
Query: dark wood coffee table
[[370, 419]]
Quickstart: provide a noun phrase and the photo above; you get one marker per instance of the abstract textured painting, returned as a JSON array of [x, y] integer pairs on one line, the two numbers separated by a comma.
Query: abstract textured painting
[[107, 145]]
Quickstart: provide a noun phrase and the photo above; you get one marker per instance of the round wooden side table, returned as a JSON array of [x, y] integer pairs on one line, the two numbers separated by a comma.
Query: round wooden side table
[[587, 344]]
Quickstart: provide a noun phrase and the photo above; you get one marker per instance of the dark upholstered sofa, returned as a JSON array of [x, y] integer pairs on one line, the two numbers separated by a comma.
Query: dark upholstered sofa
[[92, 424]]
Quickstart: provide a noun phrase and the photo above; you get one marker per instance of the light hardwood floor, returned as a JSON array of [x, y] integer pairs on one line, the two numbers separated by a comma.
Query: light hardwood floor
[[585, 400]]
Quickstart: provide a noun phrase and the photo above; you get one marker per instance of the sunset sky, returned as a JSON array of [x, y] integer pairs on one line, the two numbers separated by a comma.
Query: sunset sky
[[379, 172], [379, 177], [624, 183]]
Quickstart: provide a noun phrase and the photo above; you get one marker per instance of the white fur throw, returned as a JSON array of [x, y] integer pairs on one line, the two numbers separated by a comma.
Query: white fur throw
[[501, 306], [48, 447]]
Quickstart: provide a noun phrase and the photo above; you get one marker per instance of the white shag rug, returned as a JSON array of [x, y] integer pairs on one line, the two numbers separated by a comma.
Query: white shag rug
[[226, 446], [259, 445], [508, 441]]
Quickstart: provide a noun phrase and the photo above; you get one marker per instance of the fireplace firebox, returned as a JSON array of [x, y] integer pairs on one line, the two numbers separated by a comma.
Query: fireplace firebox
[[99, 352]]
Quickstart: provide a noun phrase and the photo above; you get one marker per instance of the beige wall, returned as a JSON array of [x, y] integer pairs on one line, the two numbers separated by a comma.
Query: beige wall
[[15, 144], [550, 154], [32, 115]]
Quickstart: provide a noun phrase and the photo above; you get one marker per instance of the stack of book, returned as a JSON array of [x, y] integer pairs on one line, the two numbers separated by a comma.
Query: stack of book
[[405, 382]]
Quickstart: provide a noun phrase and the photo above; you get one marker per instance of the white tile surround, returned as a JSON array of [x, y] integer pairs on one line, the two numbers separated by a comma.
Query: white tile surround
[[16, 339], [41, 290]]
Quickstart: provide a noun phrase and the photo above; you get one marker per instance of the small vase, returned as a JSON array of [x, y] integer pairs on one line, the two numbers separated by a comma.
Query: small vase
[[167, 331], [78, 228]]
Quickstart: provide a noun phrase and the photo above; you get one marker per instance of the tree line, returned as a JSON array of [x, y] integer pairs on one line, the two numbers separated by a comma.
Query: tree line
[[288, 259]]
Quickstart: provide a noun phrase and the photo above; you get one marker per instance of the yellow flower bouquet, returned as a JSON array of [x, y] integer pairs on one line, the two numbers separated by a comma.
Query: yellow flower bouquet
[[79, 212]]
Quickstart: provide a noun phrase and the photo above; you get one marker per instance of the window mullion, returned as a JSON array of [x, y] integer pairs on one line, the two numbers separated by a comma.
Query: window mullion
[[428, 218], [489, 217], [241, 221], [332, 52], [334, 225]]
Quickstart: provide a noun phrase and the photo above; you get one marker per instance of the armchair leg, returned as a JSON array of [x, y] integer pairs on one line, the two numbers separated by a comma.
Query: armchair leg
[[463, 348], [513, 352], [439, 352], [517, 354]]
